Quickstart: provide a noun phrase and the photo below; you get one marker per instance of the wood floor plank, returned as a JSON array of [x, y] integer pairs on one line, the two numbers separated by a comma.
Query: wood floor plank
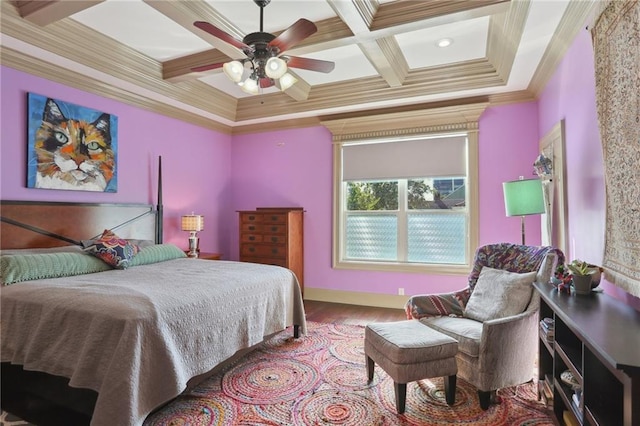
[[350, 314]]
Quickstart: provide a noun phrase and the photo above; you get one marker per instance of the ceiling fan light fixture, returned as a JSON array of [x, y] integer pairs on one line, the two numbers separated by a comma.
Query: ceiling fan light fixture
[[233, 70], [275, 67], [286, 81], [250, 86], [261, 50]]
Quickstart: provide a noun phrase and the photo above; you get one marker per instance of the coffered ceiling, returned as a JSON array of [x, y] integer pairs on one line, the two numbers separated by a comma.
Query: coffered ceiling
[[386, 53]]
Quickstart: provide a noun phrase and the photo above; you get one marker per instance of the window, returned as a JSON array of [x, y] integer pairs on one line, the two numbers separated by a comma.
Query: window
[[405, 194], [405, 220]]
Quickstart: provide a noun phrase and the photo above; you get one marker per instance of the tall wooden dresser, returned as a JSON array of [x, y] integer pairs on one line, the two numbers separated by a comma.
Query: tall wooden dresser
[[273, 236]]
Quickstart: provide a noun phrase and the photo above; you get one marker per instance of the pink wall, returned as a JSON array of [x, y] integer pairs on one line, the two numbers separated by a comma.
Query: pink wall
[[570, 95], [195, 161], [294, 168]]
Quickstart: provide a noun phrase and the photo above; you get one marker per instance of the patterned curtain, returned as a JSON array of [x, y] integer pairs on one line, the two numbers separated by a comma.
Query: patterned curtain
[[616, 39]]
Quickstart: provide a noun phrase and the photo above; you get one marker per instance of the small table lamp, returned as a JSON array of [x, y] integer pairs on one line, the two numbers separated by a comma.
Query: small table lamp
[[523, 197], [193, 223]]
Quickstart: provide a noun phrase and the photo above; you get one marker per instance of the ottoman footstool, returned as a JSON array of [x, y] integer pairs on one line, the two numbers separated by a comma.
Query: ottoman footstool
[[409, 351]]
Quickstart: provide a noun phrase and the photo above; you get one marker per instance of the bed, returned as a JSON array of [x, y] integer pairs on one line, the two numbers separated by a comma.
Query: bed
[[136, 337]]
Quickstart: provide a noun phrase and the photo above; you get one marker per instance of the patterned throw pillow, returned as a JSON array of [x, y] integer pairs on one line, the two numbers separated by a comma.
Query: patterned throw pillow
[[113, 250]]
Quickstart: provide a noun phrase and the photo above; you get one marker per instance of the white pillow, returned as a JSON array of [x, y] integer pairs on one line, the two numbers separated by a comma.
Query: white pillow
[[499, 293]]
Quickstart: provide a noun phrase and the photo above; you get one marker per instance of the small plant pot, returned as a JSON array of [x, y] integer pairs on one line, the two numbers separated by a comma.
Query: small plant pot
[[595, 277], [582, 284]]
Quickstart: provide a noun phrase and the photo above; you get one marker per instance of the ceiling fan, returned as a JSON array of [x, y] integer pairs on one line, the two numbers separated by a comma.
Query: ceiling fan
[[264, 63]]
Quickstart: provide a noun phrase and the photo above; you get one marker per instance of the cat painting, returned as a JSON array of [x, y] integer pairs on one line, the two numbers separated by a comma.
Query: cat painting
[[71, 150]]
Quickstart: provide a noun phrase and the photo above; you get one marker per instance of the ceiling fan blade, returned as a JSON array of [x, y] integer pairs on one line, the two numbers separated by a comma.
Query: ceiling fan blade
[[209, 67], [266, 82], [293, 35], [217, 32], [310, 64]]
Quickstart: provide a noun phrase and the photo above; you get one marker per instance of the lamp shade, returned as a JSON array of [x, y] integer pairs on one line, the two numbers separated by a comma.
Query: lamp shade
[[286, 81], [193, 223], [275, 68], [250, 86], [523, 197], [233, 70]]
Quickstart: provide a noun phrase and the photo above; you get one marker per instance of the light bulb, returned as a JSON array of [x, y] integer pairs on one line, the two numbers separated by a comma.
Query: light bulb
[[286, 81], [233, 70], [275, 68]]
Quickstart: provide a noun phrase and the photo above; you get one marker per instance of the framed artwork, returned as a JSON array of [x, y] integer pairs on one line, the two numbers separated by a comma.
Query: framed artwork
[[70, 146], [550, 167]]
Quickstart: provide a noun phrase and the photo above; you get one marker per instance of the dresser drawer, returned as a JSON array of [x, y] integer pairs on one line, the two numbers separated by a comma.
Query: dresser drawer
[[266, 261], [251, 227], [263, 250], [251, 217], [251, 238], [269, 228], [274, 217], [274, 239]]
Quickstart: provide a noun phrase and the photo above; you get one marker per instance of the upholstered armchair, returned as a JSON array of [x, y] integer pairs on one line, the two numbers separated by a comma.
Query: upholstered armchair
[[494, 319]]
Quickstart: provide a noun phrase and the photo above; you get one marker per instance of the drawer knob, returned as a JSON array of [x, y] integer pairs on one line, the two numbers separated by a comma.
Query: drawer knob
[[274, 228], [274, 251], [251, 238], [274, 218], [274, 239], [252, 228], [252, 249], [252, 218]]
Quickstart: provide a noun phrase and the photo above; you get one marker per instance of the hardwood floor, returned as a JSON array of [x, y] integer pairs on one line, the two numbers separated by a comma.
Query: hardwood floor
[[350, 314]]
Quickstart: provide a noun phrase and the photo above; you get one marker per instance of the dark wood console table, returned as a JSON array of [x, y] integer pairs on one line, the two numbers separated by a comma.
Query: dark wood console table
[[597, 338]]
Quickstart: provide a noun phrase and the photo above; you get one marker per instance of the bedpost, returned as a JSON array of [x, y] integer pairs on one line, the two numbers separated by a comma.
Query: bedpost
[[159, 205]]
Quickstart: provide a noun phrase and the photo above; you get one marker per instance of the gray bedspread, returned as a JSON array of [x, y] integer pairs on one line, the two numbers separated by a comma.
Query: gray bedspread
[[136, 336]]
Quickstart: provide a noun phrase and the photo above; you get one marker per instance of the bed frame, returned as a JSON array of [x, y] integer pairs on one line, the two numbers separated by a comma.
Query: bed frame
[[40, 397], [34, 396]]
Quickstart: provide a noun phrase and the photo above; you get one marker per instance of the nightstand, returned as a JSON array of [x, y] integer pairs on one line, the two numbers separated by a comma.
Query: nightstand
[[207, 256]]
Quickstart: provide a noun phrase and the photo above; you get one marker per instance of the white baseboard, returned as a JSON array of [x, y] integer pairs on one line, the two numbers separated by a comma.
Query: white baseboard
[[356, 298]]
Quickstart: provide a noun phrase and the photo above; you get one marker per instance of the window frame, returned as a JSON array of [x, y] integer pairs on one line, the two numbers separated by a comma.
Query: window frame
[[446, 121]]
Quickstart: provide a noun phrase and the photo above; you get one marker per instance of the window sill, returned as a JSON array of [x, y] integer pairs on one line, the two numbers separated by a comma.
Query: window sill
[[444, 269]]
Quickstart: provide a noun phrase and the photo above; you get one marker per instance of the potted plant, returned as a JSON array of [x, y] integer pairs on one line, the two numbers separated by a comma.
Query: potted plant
[[582, 275]]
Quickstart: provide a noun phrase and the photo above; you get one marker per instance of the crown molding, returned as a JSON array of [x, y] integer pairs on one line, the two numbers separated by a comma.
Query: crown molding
[[21, 62], [573, 21], [70, 40], [439, 119]]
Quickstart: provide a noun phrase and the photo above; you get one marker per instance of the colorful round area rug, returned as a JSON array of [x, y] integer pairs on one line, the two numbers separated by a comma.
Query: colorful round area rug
[[321, 379]]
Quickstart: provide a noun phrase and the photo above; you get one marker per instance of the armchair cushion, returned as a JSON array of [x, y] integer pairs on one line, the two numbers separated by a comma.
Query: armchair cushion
[[498, 294], [467, 332]]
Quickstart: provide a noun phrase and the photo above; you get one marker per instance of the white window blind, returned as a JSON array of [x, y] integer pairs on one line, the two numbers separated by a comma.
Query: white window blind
[[408, 158]]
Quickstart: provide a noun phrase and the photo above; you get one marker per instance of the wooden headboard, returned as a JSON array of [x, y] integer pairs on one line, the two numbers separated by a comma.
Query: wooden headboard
[[32, 224], [29, 224]]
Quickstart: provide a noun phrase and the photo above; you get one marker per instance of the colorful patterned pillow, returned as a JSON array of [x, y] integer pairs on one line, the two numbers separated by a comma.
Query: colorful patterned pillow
[[113, 250]]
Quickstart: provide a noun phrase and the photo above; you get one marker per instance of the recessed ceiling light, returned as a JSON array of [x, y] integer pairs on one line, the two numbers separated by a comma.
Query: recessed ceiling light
[[444, 42]]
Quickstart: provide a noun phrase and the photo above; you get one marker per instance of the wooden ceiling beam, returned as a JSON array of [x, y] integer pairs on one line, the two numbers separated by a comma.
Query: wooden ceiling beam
[[393, 14], [45, 12]]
